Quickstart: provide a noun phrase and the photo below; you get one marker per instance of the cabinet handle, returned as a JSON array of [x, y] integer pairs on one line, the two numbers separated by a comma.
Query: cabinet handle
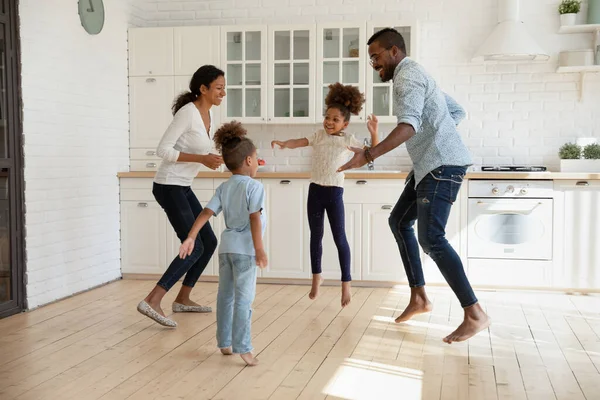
[[143, 205], [583, 183], [150, 153], [386, 207], [151, 165], [285, 182], [361, 182], [150, 80]]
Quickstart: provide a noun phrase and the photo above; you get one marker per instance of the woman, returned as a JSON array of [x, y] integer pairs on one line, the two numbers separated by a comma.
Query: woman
[[185, 145]]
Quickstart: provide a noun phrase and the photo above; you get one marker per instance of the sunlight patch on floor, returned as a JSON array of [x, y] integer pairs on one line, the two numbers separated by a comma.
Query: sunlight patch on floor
[[359, 379]]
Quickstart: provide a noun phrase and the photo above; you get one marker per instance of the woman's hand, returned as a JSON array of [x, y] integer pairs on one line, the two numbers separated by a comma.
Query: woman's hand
[[212, 161], [372, 124], [186, 248]]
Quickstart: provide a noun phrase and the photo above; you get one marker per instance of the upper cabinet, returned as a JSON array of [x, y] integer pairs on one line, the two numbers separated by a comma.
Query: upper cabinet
[[150, 51], [379, 94], [195, 46], [291, 71], [244, 58], [341, 57]]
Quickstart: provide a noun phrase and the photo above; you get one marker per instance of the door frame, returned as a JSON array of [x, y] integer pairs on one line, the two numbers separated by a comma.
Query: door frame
[[15, 162]]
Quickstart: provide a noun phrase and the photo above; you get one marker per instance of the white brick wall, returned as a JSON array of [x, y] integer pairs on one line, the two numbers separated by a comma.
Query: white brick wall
[[525, 105], [76, 139]]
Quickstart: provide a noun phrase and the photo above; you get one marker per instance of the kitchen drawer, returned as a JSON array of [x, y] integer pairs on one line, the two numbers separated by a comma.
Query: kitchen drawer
[[372, 191], [145, 165], [143, 154], [588, 184]]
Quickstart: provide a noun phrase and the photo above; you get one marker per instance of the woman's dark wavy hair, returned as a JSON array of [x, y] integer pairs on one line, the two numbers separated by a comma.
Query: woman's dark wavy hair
[[204, 76]]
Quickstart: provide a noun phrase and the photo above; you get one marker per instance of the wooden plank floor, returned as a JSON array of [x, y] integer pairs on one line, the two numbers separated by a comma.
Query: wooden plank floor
[[96, 346]]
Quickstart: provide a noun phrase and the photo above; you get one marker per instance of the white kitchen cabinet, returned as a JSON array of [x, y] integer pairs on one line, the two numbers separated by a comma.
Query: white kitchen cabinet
[[286, 236], [244, 57], [577, 234], [381, 259], [379, 94], [150, 100], [330, 264], [195, 46], [291, 72], [341, 57], [143, 238], [150, 51]]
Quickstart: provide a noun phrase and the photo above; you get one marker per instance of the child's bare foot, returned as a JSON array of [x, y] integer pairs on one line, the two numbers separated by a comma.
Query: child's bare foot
[[475, 321], [419, 304], [227, 351], [249, 359], [317, 280], [346, 293]]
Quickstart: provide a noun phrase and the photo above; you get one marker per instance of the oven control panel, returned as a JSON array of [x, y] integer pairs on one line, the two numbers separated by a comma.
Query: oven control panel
[[511, 189]]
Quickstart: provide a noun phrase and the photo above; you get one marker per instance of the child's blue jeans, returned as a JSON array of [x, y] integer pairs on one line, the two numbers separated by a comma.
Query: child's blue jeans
[[237, 288]]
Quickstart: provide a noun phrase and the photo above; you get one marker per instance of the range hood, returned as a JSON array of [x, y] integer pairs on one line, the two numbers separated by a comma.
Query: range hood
[[510, 41]]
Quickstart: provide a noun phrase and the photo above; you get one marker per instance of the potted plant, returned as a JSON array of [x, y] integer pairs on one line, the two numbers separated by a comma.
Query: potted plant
[[569, 154], [571, 158], [591, 154], [568, 10]]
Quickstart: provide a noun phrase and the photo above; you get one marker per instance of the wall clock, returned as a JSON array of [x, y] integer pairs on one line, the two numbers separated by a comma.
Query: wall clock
[[91, 14]]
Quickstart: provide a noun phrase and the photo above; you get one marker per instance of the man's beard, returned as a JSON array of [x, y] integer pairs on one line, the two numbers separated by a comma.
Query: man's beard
[[388, 74]]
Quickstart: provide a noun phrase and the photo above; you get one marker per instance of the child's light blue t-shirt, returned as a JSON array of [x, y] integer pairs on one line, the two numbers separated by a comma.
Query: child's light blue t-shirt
[[239, 197]]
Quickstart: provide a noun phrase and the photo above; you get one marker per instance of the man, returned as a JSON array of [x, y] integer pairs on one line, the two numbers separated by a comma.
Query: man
[[427, 120]]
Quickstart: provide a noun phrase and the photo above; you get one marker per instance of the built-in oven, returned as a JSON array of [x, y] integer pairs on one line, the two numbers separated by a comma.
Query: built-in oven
[[510, 220]]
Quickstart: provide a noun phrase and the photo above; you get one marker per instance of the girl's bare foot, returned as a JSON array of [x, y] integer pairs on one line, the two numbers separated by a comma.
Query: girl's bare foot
[[346, 293], [249, 359], [227, 351], [475, 321], [419, 304], [317, 280]]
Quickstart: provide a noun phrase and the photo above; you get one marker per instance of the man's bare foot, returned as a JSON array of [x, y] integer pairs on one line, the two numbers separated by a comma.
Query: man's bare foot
[[249, 359], [475, 321], [227, 351], [346, 293], [419, 304], [317, 280]]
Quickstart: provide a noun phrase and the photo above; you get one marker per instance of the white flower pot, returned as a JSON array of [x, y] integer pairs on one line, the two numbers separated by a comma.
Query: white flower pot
[[587, 166], [568, 19]]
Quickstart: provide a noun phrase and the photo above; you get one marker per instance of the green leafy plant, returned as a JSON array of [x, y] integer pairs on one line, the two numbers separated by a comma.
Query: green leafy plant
[[592, 151], [570, 151], [569, 7]]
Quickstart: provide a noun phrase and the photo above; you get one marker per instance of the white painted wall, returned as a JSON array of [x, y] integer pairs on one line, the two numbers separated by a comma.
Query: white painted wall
[[517, 113], [76, 139]]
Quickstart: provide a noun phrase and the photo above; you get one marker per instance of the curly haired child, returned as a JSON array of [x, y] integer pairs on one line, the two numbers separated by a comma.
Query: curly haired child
[[330, 151]]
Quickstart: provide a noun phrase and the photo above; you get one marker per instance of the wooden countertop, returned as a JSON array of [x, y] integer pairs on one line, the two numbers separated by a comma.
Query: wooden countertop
[[390, 175]]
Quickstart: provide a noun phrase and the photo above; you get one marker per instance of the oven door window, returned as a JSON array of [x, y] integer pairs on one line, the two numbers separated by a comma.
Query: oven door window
[[510, 229]]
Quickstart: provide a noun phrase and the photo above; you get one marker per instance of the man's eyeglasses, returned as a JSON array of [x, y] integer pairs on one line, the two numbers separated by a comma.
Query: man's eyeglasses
[[375, 57]]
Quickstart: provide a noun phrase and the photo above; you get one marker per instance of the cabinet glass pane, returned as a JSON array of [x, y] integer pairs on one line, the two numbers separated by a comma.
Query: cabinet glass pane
[[325, 92], [234, 103], [331, 72], [350, 72], [350, 47], [381, 101], [301, 74], [253, 48], [252, 102], [331, 43], [4, 121], [253, 74], [301, 102], [301, 45], [234, 46], [234, 74], [282, 102], [282, 74], [282, 45]]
